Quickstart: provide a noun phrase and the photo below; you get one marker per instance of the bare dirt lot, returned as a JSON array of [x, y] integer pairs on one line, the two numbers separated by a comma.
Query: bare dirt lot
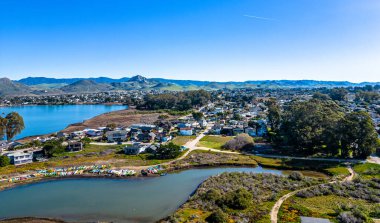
[[120, 118]]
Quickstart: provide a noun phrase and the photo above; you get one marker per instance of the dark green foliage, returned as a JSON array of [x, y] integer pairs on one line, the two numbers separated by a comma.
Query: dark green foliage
[[4, 161], [217, 217], [53, 148], [321, 96], [168, 151], [338, 94], [307, 126], [197, 115], [274, 115], [367, 96], [239, 199], [179, 101], [316, 126], [357, 134]]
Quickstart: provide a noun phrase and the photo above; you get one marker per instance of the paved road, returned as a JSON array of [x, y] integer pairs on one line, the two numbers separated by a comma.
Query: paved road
[[276, 207]]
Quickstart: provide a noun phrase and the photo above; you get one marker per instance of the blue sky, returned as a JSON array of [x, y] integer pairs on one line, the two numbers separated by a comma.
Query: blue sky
[[217, 40]]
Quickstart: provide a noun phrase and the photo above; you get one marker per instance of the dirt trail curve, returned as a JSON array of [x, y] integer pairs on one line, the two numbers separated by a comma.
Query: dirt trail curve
[[276, 207]]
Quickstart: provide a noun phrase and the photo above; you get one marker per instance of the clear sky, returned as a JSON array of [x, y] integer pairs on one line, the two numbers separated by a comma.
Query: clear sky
[[217, 40]]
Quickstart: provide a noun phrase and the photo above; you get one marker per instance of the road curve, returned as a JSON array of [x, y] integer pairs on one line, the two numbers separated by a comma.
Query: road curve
[[276, 207]]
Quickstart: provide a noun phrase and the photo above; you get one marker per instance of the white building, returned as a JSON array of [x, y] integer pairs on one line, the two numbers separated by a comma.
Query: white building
[[19, 157]]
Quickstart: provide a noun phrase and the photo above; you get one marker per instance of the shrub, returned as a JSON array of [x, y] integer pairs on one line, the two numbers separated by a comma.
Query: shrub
[[168, 151], [238, 199], [296, 176], [4, 161], [212, 195], [240, 142], [217, 217]]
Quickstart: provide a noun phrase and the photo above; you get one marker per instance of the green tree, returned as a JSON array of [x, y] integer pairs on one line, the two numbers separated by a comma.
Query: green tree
[[14, 124], [321, 96], [197, 115], [274, 115], [308, 125], [168, 151], [338, 94], [4, 161], [357, 134], [53, 148], [217, 216], [239, 199], [3, 123]]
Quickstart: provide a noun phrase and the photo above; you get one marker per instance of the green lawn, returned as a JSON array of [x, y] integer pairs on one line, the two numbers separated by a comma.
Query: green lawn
[[182, 140], [214, 142], [368, 170]]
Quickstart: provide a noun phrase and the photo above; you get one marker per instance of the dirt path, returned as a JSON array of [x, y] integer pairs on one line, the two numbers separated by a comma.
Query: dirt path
[[276, 207]]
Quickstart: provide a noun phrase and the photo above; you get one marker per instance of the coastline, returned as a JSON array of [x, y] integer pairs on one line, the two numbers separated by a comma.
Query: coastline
[[92, 176]]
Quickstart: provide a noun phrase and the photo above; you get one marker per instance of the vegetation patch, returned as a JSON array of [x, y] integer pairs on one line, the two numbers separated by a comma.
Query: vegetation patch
[[368, 170], [238, 197], [356, 201], [207, 158], [182, 140], [214, 142]]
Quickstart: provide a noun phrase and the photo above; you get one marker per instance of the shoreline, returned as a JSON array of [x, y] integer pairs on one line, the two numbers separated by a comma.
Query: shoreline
[[92, 176]]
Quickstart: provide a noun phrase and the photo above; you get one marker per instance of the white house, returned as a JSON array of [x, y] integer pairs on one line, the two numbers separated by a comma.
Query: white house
[[19, 157]]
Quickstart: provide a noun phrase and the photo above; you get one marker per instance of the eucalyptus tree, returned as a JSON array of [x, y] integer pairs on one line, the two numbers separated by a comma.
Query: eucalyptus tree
[[11, 125]]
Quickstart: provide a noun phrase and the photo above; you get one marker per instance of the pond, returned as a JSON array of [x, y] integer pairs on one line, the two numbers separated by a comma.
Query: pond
[[45, 119], [99, 199]]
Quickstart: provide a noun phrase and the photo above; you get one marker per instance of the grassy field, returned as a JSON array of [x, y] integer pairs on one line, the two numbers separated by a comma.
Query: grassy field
[[331, 168], [182, 140], [214, 142], [368, 170]]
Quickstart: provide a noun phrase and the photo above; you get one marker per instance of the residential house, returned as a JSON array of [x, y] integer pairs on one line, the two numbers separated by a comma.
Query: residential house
[[187, 131], [73, 146], [146, 137], [135, 149], [117, 135], [20, 157]]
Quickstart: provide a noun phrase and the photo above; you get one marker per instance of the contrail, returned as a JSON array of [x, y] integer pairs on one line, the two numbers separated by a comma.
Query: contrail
[[261, 18]]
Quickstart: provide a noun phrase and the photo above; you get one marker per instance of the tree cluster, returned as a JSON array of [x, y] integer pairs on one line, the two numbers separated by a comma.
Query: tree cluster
[[168, 151], [321, 126], [177, 100]]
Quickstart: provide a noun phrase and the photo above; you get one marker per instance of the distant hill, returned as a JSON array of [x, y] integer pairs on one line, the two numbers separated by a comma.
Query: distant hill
[[142, 82], [12, 88], [86, 86], [46, 80], [44, 86]]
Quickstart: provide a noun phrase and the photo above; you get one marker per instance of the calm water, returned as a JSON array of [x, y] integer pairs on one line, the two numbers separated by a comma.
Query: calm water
[[44, 119], [118, 200]]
